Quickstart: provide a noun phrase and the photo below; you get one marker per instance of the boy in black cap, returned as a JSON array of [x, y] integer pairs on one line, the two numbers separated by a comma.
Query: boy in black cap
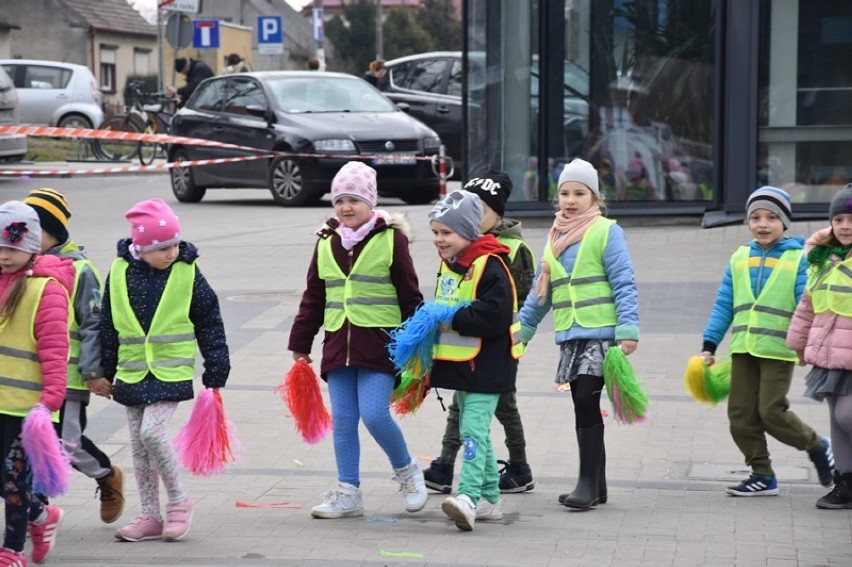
[[195, 71], [493, 189], [85, 374]]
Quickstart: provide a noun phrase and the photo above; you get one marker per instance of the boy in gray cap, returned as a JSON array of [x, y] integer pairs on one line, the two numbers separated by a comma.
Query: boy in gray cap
[[493, 189], [477, 350]]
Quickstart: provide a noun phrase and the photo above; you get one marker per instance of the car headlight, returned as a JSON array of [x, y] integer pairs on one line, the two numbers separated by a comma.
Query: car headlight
[[334, 145], [431, 143]]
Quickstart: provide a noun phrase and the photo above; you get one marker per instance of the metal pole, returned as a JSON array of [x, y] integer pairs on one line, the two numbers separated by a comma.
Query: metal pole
[[159, 50], [379, 39], [320, 50]]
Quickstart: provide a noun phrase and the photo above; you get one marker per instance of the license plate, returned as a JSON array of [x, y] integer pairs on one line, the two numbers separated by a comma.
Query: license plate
[[395, 159]]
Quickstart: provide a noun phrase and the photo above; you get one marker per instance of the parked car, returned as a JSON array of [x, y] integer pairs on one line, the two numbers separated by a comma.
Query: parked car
[[12, 147], [328, 118], [56, 94]]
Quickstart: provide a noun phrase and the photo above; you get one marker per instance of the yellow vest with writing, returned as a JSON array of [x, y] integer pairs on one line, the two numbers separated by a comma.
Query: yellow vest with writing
[[454, 288], [760, 325], [20, 368], [367, 296], [585, 295], [168, 349]]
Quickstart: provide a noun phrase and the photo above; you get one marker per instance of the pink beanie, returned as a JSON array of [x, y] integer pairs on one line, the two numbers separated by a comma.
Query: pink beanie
[[357, 180], [153, 225]]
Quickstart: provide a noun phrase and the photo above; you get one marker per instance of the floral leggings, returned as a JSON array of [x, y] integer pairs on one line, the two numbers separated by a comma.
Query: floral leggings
[[20, 506], [153, 455]]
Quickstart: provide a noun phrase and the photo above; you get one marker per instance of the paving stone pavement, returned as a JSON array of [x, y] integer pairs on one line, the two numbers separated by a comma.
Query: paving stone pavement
[[666, 506]]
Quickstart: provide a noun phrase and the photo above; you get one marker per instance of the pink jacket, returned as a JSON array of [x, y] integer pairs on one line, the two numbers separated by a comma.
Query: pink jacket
[[824, 340], [51, 324]]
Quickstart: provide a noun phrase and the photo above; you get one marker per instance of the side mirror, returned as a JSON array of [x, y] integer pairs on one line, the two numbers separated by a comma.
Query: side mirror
[[261, 112], [403, 106]]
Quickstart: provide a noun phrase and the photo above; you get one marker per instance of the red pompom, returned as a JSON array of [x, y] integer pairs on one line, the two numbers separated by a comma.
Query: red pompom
[[300, 391], [207, 442]]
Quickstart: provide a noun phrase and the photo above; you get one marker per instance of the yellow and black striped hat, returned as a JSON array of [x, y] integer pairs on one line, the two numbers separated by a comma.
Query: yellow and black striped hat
[[53, 211]]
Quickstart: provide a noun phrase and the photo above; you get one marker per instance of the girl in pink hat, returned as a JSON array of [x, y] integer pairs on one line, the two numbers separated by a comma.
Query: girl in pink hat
[[157, 310], [361, 284]]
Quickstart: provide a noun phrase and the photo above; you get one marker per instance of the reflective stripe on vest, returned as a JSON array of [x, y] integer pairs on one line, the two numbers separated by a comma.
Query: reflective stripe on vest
[[168, 350], [20, 367], [760, 325], [831, 289], [75, 378], [367, 297], [454, 288], [584, 297]]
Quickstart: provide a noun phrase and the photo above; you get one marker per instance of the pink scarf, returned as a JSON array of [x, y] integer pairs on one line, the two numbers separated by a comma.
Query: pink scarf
[[564, 232], [350, 237]]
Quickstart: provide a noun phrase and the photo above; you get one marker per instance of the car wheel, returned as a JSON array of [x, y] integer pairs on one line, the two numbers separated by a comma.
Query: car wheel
[[74, 121], [183, 184], [290, 184], [421, 196]]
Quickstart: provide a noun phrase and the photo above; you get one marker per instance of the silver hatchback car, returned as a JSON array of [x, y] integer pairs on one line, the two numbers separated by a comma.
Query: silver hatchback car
[[12, 147], [55, 93]]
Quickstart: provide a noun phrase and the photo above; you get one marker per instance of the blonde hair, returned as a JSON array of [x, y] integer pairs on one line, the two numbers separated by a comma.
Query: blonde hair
[[16, 292]]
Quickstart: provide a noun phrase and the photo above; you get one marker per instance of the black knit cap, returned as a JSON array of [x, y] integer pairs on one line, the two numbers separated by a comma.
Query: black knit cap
[[53, 212], [180, 63], [493, 187]]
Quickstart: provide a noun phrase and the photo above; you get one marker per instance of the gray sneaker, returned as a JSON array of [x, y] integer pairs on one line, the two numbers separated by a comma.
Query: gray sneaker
[[486, 511], [412, 486], [345, 502]]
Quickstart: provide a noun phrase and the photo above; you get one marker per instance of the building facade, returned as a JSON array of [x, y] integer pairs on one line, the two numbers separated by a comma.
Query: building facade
[[684, 106]]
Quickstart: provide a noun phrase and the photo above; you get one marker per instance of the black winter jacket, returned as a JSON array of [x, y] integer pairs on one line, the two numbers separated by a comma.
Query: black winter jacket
[[145, 286]]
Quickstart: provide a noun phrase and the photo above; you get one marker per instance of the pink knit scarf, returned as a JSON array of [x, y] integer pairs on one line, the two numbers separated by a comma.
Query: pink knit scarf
[[564, 232]]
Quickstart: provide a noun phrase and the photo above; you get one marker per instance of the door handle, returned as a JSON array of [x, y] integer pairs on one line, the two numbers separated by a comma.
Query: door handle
[[442, 109], [218, 129]]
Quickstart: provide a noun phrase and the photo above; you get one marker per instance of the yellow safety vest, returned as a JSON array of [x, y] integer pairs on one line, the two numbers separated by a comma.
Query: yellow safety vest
[[454, 288], [168, 350], [513, 244], [75, 377], [21, 381], [760, 325], [831, 290], [367, 296], [585, 296]]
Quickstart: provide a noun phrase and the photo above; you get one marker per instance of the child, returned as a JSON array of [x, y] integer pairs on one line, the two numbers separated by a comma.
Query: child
[[33, 355], [361, 284], [759, 292], [820, 334], [84, 363], [477, 351], [493, 189], [156, 307], [587, 277]]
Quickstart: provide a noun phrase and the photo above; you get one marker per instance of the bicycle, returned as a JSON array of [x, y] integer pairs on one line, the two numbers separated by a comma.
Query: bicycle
[[145, 115]]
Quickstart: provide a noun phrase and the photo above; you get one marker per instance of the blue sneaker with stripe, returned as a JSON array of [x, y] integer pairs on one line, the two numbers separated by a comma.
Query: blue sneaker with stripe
[[823, 459], [755, 485]]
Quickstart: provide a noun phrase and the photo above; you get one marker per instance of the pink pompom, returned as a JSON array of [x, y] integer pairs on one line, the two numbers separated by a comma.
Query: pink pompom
[[50, 462], [206, 443]]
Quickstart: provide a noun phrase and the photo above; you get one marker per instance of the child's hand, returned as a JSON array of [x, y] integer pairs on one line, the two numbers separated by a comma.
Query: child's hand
[[628, 346], [100, 387], [801, 356], [708, 357], [445, 328], [297, 356]]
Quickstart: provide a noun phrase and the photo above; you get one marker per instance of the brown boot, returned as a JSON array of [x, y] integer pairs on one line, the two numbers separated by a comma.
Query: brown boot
[[111, 488]]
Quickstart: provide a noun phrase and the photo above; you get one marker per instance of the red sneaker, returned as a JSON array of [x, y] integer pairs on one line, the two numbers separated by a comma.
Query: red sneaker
[[10, 558], [43, 536]]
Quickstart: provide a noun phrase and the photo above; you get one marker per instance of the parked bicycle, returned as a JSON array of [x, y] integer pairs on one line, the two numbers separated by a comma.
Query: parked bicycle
[[146, 115]]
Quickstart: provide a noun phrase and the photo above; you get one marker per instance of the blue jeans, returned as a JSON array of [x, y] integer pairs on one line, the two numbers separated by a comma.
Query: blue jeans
[[358, 394]]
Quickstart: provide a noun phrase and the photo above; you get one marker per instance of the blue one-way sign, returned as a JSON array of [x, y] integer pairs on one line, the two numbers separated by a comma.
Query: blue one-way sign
[[206, 34]]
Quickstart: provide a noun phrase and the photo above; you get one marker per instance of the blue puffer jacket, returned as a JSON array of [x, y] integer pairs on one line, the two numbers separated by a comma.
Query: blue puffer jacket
[[761, 264], [619, 271], [145, 287]]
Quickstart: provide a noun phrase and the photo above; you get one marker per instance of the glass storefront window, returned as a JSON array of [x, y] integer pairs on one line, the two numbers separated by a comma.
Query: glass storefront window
[[805, 105]]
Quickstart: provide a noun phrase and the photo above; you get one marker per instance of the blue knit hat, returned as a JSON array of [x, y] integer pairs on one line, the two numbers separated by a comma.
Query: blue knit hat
[[772, 199]]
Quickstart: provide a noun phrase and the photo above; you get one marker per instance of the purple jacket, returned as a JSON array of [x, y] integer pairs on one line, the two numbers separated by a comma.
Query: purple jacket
[[353, 346], [824, 340]]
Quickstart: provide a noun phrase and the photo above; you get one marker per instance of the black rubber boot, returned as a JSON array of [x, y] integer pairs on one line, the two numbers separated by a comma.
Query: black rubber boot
[[602, 492], [585, 494]]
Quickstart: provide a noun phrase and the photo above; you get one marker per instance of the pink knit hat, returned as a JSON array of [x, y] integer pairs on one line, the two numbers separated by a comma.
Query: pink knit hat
[[356, 180], [153, 225]]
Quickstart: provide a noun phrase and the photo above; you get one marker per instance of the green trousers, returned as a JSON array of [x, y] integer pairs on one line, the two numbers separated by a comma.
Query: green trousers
[[758, 405], [479, 476], [508, 416]]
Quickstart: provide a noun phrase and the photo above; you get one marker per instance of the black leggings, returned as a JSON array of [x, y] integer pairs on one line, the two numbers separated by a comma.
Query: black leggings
[[20, 507], [586, 393]]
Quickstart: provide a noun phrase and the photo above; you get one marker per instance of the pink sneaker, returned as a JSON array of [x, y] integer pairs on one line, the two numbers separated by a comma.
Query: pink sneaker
[[140, 529], [10, 558], [178, 520], [43, 536]]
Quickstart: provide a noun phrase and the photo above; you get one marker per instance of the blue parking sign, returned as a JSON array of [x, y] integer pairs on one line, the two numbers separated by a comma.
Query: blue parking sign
[[206, 34]]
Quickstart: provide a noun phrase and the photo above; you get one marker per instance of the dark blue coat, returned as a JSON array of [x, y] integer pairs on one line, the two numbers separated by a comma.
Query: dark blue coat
[[145, 286]]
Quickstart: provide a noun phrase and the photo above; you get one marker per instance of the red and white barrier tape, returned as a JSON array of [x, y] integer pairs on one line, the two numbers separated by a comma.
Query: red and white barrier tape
[[123, 168]]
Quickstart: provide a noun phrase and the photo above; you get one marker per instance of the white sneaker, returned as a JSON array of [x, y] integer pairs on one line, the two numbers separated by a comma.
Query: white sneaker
[[486, 511], [345, 502], [461, 510], [413, 486]]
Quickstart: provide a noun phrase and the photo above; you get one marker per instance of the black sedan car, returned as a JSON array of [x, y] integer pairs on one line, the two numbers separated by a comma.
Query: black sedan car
[[324, 119]]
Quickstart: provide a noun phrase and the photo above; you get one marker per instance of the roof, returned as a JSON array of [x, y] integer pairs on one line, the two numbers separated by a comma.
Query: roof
[[114, 15]]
